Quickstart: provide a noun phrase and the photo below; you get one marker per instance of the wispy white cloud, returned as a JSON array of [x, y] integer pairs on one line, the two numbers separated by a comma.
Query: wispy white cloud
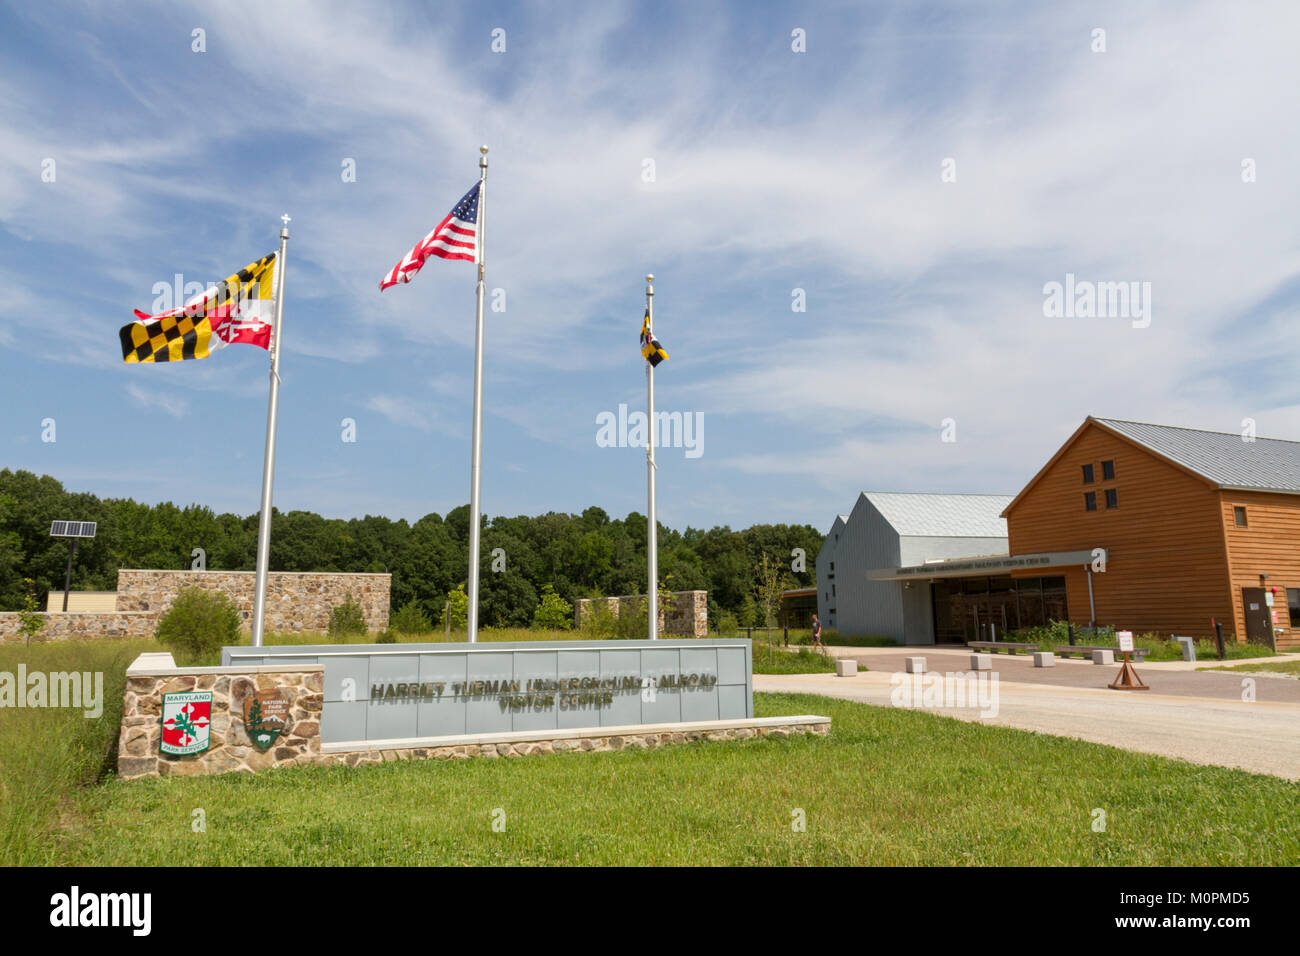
[[409, 413], [924, 297], [157, 400]]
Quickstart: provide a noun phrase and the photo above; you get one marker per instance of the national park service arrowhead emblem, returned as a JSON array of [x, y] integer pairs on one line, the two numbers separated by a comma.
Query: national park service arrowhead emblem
[[186, 723], [266, 716]]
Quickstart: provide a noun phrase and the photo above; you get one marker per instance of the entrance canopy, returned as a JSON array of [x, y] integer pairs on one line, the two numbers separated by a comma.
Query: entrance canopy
[[988, 565]]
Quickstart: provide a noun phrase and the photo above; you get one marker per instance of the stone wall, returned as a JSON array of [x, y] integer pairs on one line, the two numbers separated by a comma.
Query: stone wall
[[689, 616], [77, 624], [581, 744], [295, 601], [232, 750]]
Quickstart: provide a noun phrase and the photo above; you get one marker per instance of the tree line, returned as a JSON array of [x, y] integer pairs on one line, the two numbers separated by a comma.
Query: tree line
[[581, 556]]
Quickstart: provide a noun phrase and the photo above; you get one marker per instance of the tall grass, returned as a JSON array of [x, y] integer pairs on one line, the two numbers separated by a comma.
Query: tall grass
[[47, 755], [773, 659]]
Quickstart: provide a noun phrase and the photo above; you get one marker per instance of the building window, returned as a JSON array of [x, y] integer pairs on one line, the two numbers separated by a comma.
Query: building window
[[1108, 470], [832, 565], [1087, 476], [1239, 516], [1293, 605], [1090, 501], [832, 590], [1112, 498]]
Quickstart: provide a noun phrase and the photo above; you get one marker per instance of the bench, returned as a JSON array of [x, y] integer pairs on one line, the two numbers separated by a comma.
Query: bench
[[993, 647], [1085, 651]]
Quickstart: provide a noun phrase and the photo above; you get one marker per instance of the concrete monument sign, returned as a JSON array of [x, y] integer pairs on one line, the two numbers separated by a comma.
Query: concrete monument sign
[[386, 692]]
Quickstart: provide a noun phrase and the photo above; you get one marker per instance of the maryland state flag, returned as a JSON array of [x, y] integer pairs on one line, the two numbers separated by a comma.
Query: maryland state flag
[[651, 350], [238, 310]]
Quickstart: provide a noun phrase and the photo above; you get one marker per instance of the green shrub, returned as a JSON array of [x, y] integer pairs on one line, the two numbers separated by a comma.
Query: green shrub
[[600, 619], [631, 627], [553, 611], [411, 619], [346, 618], [198, 624], [386, 636], [727, 624]]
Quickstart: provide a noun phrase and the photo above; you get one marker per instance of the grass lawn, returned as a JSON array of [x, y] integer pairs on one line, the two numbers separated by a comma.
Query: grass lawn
[[1276, 667], [885, 787]]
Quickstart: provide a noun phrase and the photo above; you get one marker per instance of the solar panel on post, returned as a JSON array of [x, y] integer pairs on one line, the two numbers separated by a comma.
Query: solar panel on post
[[73, 529]]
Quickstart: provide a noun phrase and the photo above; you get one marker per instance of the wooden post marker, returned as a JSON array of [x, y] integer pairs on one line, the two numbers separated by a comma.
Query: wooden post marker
[[1128, 677]]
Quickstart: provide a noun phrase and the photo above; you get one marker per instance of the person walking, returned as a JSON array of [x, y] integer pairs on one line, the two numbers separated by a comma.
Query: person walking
[[817, 635]]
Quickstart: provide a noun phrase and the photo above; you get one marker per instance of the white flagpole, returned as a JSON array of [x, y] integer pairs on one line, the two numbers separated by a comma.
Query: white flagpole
[[268, 464], [472, 617], [652, 524]]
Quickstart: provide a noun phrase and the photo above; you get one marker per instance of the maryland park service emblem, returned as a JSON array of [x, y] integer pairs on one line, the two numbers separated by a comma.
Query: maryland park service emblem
[[266, 716], [186, 723]]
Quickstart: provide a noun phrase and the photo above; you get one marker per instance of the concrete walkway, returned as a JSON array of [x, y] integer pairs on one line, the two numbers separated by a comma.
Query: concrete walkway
[[1262, 737]]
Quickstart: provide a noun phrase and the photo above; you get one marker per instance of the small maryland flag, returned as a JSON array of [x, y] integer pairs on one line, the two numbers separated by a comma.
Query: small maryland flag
[[238, 310], [651, 350]]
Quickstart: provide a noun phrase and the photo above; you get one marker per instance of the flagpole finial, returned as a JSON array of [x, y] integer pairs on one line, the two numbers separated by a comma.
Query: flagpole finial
[[483, 149], [482, 160], [284, 230], [650, 277]]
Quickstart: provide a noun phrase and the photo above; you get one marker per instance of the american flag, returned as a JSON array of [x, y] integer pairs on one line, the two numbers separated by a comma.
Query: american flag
[[454, 238]]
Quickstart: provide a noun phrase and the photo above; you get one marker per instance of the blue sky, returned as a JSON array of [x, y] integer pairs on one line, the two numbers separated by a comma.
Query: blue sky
[[774, 171]]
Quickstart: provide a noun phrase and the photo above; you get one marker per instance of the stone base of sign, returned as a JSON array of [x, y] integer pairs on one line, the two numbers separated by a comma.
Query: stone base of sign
[[580, 740], [1044, 659], [153, 675]]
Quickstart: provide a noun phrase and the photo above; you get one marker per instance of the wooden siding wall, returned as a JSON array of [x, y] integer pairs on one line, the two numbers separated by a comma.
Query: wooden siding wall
[[1168, 567], [1269, 544]]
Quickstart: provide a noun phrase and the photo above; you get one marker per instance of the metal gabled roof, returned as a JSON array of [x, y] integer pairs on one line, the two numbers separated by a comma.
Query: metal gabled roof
[[942, 515], [1224, 458]]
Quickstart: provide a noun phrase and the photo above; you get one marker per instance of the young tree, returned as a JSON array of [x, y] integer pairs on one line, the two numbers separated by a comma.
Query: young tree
[[458, 607], [30, 621], [772, 580], [553, 612]]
